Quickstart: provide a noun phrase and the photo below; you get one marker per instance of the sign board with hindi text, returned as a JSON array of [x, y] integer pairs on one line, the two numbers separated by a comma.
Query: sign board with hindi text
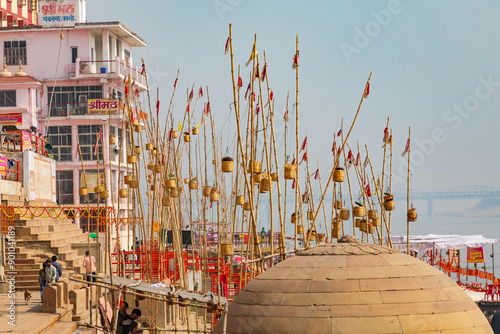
[[103, 107], [475, 255], [3, 167], [60, 13], [11, 119], [25, 140]]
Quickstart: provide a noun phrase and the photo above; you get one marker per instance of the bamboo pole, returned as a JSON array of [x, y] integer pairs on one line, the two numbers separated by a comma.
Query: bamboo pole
[[297, 194], [408, 197], [382, 209]]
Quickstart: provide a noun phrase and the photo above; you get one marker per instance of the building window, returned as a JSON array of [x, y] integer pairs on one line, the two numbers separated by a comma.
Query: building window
[[71, 100], [74, 54], [8, 98], [87, 137], [14, 52], [60, 139], [64, 186]]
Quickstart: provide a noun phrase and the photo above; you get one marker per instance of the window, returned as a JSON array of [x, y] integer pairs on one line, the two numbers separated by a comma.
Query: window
[[8, 98], [64, 186], [87, 136], [72, 100], [60, 139], [74, 54], [14, 52], [93, 179]]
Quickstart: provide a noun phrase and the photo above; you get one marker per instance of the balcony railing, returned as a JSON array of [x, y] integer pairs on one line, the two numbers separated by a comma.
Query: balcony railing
[[105, 67]]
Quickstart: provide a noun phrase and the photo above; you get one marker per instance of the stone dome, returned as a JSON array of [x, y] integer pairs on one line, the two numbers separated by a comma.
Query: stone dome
[[353, 287]]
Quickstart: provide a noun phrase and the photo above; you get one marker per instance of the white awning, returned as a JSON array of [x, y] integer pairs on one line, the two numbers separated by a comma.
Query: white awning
[[421, 243]]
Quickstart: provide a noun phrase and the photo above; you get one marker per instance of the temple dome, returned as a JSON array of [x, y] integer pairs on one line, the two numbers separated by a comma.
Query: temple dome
[[353, 287]]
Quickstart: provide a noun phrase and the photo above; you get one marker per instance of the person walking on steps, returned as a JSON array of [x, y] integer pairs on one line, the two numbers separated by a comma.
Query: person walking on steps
[[89, 265], [50, 273], [58, 268]]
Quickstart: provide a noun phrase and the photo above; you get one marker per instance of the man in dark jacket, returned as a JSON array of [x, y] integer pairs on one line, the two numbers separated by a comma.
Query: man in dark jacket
[[128, 320], [58, 268]]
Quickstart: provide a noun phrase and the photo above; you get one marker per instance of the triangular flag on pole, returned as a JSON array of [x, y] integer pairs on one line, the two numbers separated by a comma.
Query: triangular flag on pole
[[264, 72], [180, 126], [240, 82], [252, 56], [316, 174], [339, 133], [358, 159], [157, 108], [200, 92], [386, 135], [304, 144], [366, 162], [407, 148], [367, 90], [175, 83], [248, 90], [295, 60], [190, 96], [367, 190], [304, 158], [226, 49]]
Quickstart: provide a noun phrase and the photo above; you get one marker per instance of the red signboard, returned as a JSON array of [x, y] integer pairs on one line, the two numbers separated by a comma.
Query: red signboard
[[11, 119], [475, 255], [25, 141]]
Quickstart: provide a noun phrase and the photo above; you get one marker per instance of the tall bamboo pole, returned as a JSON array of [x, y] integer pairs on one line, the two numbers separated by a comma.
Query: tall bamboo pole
[[297, 179], [408, 197]]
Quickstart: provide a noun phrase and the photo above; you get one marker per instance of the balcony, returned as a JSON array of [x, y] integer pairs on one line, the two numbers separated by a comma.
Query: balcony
[[108, 69]]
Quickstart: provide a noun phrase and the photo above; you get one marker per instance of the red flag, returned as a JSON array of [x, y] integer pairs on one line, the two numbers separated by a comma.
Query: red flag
[[257, 72], [386, 135], [126, 91], [211, 203], [339, 133], [293, 184], [304, 157], [334, 146], [367, 90], [170, 135], [293, 161], [407, 148], [248, 90], [258, 109], [208, 108], [295, 60], [367, 190], [358, 158], [143, 69], [339, 150], [190, 96], [175, 83], [264, 72], [188, 106], [240, 82], [200, 92], [316, 174], [304, 144], [271, 96], [163, 155], [285, 116], [226, 49], [157, 108]]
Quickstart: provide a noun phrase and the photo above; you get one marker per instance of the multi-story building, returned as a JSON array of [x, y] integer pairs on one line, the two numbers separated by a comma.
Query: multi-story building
[[18, 13], [76, 74]]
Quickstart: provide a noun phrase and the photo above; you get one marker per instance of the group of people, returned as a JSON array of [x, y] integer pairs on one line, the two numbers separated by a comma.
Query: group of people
[[49, 274], [126, 323]]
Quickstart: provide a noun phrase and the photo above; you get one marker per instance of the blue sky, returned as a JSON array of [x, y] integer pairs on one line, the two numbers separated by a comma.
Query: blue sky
[[435, 68]]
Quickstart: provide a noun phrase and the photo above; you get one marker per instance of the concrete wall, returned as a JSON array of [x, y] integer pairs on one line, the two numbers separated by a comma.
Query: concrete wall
[[39, 177]]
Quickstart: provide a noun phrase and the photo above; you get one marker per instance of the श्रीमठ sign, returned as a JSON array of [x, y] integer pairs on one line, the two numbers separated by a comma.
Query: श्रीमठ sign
[[59, 13], [103, 107]]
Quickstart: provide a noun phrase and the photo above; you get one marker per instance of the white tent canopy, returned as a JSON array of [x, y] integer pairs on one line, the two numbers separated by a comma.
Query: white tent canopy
[[422, 243]]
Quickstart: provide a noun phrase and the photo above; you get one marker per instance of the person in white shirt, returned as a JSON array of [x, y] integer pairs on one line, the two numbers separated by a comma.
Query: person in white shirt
[[89, 265]]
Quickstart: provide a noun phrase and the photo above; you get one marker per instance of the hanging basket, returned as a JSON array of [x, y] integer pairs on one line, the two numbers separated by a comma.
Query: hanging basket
[[338, 204], [265, 185], [158, 168], [227, 165], [412, 215], [186, 180], [240, 200], [338, 174], [128, 178], [336, 223], [181, 189], [357, 222], [254, 167], [195, 131], [187, 138], [206, 191], [300, 229], [363, 225], [135, 121], [214, 195], [336, 233], [98, 189], [226, 248], [321, 237], [122, 193], [358, 211], [83, 191], [305, 199], [138, 150], [372, 214], [289, 172], [310, 215], [164, 201], [170, 184], [371, 229], [174, 193], [133, 184], [312, 235], [112, 139], [153, 152], [138, 128], [344, 214], [175, 134], [104, 194], [193, 185], [375, 222], [256, 178], [294, 219], [246, 206], [274, 177], [131, 159], [389, 205], [149, 146], [150, 166]]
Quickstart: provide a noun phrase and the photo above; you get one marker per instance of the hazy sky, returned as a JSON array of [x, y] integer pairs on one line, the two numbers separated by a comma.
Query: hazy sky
[[435, 68]]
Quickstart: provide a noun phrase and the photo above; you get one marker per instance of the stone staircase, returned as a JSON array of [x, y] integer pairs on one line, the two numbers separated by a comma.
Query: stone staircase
[[37, 235]]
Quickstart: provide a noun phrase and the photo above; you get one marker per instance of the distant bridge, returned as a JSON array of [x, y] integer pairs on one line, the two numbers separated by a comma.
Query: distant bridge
[[453, 193]]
